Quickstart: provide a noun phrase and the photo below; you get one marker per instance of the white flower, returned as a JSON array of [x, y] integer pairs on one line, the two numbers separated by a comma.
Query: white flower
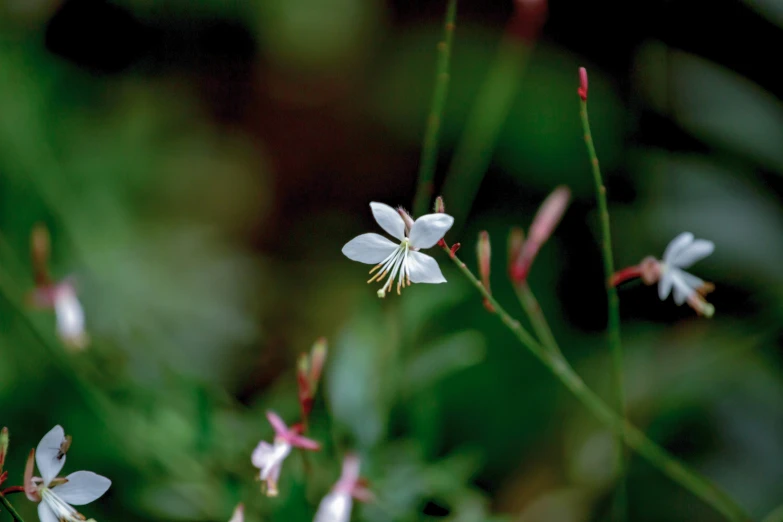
[[239, 514], [269, 458], [681, 253], [401, 261], [336, 506], [57, 496], [70, 316]]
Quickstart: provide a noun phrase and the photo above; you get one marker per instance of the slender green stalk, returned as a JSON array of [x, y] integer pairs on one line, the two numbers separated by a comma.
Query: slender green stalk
[[537, 319], [7, 505], [632, 436], [429, 152], [483, 125], [618, 381], [776, 515]]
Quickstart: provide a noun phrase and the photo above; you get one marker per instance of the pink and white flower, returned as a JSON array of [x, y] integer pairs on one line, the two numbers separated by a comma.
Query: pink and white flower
[[401, 261], [269, 458], [57, 496], [336, 506]]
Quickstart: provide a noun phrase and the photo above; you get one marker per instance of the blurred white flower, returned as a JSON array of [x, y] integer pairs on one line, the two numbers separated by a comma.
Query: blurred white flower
[[401, 261], [239, 514], [682, 252], [57, 496], [269, 458], [336, 506]]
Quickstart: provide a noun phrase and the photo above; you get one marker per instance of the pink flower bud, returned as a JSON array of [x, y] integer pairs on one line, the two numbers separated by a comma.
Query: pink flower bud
[[582, 84], [308, 375], [484, 254], [3, 446], [546, 219], [440, 207]]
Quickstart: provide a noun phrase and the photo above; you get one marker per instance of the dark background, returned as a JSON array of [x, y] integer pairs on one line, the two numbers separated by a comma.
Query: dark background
[[200, 165]]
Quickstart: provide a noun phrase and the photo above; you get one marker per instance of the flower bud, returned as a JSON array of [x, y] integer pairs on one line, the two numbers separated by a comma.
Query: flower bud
[[406, 218], [309, 370], [516, 239], [484, 255], [582, 91], [40, 247], [546, 219], [439, 207], [3, 446]]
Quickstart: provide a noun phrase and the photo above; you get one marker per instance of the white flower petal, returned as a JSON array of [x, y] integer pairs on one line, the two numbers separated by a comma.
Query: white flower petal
[[47, 452], [665, 284], [389, 220], [369, 248], [82, 488], [676, 246], [267, 456], [424, 269], [239, 514], [681, 289], [45, 513], [429, 229], [696, 251], [335, 507], [70, 315], [691, 280]]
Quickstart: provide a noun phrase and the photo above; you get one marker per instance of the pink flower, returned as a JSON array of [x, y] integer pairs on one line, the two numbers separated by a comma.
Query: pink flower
[[269, 457]]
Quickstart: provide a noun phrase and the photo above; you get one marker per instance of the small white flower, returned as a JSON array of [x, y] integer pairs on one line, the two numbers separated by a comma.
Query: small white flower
[[336, 506], [681, 253], [57, 496], [401, 261], [269, 458], [239, 514], [70, 316]]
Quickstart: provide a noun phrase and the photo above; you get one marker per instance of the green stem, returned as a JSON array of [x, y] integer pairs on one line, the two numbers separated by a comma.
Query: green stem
[[615, 346], [632, 436], [483, 125], [429, 153], [4, 501], [537, 319]]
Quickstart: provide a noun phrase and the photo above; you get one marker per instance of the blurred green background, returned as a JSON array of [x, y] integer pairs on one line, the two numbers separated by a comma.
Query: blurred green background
[[201, 163]]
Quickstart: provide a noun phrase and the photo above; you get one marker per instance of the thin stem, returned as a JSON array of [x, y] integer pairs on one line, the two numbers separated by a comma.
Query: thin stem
[[615, 346], [632, 436], [429, 153], [537, 319], [483, 125], [12, 489], [7, 505]]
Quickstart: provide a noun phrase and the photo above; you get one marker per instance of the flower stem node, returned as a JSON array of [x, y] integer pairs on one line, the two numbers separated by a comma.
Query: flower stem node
[[401, 262], [58, 495], [269, 458]]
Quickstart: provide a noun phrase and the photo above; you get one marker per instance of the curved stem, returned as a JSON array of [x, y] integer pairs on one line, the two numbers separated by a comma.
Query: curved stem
[[618, 381], [429, 152], [632, 436], [12, 489], [7, 505], [537, 319]]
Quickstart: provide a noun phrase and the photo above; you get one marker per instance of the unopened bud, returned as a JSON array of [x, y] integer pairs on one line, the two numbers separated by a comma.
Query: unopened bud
[[516, 239], [440, 207], [40, 247], [406, 218], [3, 446], [582, 91], [484, 255], [544, 223], [317, 361]]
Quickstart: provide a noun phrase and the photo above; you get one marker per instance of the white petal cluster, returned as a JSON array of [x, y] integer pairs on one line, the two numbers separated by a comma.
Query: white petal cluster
[[335, 507], [77, 489], [269, 459], [682, 252], [400, 261]]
